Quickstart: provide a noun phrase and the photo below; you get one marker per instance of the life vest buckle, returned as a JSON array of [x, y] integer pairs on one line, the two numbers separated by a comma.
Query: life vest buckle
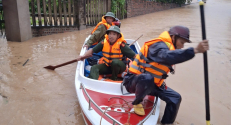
[[164, 76], [142, 70]]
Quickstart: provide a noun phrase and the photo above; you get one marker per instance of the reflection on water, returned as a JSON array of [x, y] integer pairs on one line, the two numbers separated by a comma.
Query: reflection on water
[[2, 34], [30, 94]]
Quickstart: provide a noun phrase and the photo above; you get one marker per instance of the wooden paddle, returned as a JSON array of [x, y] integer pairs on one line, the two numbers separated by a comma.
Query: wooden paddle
[[205, 65], [63, 64], [75, 60], [135, 40]]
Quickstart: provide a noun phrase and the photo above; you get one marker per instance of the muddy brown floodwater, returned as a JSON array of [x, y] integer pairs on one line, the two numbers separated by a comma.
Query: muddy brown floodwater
[[32, 95]]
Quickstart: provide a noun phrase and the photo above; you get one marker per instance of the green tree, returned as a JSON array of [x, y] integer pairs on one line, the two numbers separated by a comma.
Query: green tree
[[118, 3]]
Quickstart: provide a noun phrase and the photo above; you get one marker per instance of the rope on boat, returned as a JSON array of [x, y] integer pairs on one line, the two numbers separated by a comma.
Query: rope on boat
[[122, 106]]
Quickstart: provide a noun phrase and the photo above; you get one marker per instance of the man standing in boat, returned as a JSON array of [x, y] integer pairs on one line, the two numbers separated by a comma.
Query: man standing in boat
[[150, 68], [100, 30], [113, 48]]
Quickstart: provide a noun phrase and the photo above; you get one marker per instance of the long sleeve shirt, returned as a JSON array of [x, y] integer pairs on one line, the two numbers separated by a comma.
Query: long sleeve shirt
[[160, 53], [97, 36]]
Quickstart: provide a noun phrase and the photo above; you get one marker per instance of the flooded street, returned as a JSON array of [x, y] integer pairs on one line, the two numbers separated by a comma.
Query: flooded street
[[32, 95]]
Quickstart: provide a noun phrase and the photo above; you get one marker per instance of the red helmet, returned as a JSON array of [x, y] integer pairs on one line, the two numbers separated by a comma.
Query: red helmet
[[180, 31]]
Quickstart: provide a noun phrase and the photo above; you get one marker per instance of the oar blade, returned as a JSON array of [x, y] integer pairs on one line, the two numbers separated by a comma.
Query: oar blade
[[50, 67]]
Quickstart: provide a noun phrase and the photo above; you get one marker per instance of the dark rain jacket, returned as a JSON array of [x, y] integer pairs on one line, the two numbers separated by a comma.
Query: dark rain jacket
[[160, 53]]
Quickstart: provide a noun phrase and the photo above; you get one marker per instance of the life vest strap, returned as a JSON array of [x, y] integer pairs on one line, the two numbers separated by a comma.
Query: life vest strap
[[172, 71], [108, 64], [110, 58], [111, 53], [150, 66], [164, 76], [144, 58]]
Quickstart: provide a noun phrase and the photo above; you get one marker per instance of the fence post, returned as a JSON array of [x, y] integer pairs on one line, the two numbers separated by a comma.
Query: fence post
[[69, 12], [109, 6], [50, 14], [17, 20], [39, 12], [33, 13], [44, 12], [76, 12], [55, 12], [65, 12], [60, 13], [81, 14]]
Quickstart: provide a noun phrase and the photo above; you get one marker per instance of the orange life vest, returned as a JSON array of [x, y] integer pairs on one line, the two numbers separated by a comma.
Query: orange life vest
[[104, 22], [111, 52], [141, 64]]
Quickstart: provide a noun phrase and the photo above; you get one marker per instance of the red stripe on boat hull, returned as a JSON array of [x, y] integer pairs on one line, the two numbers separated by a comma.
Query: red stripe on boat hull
[[101, 99]]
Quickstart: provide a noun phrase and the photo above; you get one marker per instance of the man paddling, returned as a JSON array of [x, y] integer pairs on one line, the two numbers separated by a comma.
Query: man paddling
[[113, 48], [100, 30], [150, 68]]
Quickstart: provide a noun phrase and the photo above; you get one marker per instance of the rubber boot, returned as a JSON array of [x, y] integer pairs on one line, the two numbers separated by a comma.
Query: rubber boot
[[139, 110]]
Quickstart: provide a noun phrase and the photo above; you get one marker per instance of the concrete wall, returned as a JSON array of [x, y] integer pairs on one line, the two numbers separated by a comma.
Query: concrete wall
[[141, 7], [17, 20]]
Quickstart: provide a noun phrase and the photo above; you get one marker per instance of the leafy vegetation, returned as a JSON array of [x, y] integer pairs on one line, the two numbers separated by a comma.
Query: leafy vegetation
[[118, 4]]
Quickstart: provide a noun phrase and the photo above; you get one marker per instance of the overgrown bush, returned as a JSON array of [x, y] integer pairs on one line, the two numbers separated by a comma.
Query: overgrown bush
[[118, 3]]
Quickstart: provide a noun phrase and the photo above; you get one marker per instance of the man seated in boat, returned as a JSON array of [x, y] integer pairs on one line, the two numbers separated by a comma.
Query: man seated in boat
[[113, 48], [99, 31], [150, 68]]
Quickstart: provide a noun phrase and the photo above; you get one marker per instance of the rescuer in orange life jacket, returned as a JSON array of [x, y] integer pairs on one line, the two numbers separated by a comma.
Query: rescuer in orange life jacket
[[151, 66], [99, 31], [113, 48]]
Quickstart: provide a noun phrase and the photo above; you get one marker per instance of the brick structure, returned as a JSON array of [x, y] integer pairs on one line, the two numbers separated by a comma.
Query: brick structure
[[43, 31], [141, 7]]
